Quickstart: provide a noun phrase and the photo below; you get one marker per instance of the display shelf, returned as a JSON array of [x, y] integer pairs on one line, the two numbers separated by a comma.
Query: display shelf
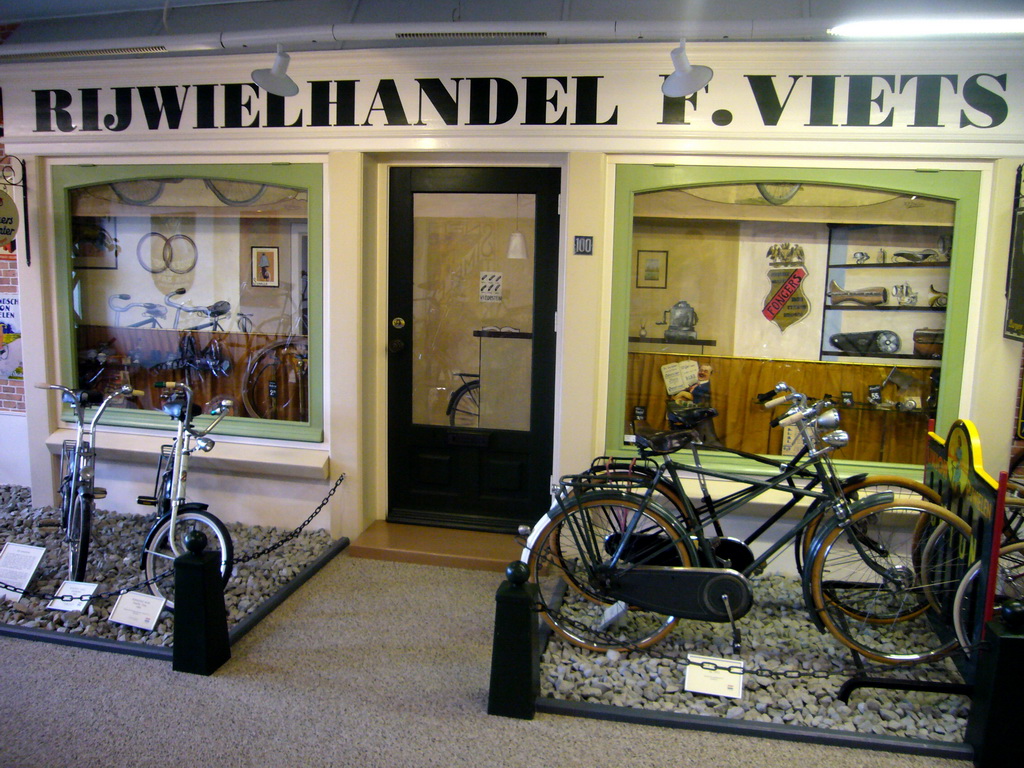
[[884, 308]]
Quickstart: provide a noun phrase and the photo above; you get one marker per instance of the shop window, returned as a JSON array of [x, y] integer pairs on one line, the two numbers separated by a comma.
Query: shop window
[[207, 276], [845, 292]]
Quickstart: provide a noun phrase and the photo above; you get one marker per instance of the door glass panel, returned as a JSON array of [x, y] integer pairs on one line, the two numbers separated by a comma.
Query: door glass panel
[[473, 258], [839, 291]]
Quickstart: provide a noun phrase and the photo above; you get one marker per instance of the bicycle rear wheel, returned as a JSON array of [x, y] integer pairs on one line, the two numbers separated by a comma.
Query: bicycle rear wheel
[[867, 587], [158, 553], [76, 536], [566, 561], [464, 408], [969, 601]]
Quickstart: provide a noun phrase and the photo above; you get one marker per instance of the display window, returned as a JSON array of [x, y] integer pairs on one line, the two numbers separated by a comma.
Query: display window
[[208, 275], [851, 286]]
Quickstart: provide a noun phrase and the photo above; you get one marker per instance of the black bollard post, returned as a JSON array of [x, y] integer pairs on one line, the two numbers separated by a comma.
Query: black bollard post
[[515, 656], [201, 642], [991, 726]]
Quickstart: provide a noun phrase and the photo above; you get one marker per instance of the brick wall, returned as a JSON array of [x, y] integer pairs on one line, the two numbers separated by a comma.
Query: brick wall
[[12, 392]]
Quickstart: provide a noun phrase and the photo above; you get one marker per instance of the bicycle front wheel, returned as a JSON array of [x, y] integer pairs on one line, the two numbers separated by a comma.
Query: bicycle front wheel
[[569, 558], [158, 554], [867, 587], [76, 535], [464, 408], [901, 488]]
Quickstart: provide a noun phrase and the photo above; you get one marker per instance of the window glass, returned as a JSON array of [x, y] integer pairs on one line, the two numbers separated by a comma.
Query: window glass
[[202, 279], [839, 291]]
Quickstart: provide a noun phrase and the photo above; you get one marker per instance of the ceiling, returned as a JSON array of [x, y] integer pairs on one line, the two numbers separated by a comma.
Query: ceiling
[[48, 29]]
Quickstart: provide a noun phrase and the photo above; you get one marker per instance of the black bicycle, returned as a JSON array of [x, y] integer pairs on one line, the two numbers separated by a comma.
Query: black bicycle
[[78, 490], [623, 555]]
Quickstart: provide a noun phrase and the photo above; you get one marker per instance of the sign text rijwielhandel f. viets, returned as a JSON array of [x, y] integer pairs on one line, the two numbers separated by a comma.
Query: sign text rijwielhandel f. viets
[[951, 101]]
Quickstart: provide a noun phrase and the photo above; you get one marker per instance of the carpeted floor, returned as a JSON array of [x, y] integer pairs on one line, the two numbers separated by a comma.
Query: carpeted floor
[[368, 664]]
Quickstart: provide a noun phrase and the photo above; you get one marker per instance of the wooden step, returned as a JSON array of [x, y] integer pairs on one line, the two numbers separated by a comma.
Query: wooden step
[[450, 547]]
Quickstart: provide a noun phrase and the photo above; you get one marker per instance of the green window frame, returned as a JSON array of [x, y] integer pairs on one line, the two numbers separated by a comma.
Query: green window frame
[[960, 187], [305, 177]]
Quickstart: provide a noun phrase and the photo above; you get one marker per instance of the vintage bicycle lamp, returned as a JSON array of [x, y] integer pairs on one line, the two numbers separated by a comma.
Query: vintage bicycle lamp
[[681, 319]]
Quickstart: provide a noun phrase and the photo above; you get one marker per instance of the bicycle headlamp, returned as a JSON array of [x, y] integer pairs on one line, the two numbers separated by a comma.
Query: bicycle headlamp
[[837, 439], [828, 420]]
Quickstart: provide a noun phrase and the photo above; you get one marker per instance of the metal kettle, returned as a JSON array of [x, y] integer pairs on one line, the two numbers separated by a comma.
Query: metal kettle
[[681, 319]]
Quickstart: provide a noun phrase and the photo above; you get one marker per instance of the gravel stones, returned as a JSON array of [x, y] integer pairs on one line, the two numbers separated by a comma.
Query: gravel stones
[[793, 675], [114, 549]]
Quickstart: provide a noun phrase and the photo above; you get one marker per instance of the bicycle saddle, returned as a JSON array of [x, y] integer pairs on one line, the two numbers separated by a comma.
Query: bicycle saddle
[[689, 418], [174, 407], [217, 309], [664, 442], [83, 397]]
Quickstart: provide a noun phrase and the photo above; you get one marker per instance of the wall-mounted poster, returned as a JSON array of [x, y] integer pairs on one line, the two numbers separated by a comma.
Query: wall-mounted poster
[[10, 337], [1014, 325], [265, 273]]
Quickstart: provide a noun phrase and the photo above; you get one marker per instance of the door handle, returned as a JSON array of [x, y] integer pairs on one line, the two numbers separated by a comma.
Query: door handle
[[396, 345]]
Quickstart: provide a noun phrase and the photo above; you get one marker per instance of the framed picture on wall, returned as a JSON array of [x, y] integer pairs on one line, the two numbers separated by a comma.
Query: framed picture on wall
[[94, 243], [651, 269], [265, 273]]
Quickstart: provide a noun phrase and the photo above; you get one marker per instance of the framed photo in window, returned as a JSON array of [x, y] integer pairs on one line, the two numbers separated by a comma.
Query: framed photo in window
[[651, 269], [265, 272]]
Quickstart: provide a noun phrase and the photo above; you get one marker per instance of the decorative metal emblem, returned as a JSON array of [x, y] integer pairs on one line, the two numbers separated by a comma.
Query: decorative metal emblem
[[786, 302]]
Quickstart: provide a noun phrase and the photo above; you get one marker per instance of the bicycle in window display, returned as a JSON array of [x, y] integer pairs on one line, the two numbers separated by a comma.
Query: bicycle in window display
[[625, 552], [176, 515], [78, 490]]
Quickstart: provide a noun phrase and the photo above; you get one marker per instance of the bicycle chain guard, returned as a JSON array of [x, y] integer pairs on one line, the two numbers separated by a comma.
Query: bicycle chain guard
[[686, 593]]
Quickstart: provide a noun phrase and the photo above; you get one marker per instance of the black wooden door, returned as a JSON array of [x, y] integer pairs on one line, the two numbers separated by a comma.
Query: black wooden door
[[471, 342]]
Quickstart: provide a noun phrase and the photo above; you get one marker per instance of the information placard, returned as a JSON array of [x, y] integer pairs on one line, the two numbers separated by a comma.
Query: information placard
[[80, 590], [137, 609], [717, 677], [18, 563]]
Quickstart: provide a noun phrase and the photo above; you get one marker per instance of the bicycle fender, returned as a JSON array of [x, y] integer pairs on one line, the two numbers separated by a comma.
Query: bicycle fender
[[874, 500]]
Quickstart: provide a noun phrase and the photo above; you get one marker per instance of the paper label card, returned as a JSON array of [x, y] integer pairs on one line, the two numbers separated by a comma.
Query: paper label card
[[18, 564], [717, 677], [137, 609], [80, 590], [679, 376]]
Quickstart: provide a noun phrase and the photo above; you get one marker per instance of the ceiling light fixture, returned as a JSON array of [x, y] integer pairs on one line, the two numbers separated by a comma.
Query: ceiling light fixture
[[517, 241], [959, 27], [686, 78], [275, 80]]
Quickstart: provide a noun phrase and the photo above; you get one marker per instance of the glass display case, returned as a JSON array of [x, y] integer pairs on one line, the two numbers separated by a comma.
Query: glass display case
[[204, 277]]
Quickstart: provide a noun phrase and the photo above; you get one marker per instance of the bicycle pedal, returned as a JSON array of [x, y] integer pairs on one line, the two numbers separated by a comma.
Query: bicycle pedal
[[99, 493], [612, 615], [148, 501]]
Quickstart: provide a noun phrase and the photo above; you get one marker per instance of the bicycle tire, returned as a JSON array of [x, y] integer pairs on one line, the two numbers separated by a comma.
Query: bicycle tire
[[868, 593], [564, 561], [464, 406], [967, 603], [903, 489], [76, 536], [158, 554]]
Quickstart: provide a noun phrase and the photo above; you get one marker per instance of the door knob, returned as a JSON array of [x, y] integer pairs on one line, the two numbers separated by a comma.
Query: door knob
[[396, 345]]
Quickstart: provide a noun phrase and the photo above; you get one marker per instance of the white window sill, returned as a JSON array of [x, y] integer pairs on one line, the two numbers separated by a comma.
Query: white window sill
[[300, 463]]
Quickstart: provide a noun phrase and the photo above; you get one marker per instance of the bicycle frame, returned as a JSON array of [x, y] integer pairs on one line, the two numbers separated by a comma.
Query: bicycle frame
[[181, 450]]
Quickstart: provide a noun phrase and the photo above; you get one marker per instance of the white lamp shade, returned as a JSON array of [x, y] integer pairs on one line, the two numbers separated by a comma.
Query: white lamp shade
[[687, 78], [275, 80], [516, 246]]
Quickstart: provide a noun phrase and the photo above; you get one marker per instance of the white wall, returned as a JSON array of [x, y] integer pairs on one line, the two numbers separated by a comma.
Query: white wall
[[14, 468]]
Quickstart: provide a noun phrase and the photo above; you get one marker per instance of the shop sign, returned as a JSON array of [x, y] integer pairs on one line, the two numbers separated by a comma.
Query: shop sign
[[786, 302], [8, 219], [613, 92]]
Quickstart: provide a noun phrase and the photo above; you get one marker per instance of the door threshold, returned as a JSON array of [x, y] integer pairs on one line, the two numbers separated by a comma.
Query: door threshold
[[426, 545]]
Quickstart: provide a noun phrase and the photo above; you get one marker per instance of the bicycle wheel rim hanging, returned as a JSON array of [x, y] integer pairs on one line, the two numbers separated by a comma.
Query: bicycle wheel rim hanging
[[79, 526]]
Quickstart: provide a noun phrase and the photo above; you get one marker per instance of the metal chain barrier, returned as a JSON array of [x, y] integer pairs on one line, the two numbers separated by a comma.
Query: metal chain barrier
[[859, 670], [293, 534], [160, 576]]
